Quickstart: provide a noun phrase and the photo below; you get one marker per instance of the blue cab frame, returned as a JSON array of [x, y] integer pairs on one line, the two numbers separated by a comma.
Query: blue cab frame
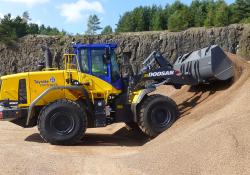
[[77, 47]]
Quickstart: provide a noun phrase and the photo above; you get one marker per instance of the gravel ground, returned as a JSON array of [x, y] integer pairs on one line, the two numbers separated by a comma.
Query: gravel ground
[[212, 136]]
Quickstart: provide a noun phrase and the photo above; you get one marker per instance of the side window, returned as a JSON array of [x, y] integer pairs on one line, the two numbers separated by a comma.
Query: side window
[[84, 60], [114, 68], [98, 65]]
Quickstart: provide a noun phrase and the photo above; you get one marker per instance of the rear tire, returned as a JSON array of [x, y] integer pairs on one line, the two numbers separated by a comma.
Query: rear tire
[[62, 122], [156, 114]]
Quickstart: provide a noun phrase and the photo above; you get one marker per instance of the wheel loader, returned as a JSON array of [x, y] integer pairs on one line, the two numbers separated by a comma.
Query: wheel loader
[[94, 91]]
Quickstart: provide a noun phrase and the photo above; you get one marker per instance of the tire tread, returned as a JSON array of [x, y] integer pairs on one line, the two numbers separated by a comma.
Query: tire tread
[[145, 103], [44, 113]]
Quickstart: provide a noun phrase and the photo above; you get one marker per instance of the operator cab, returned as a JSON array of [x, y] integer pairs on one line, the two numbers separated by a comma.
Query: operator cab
[[99, 60]]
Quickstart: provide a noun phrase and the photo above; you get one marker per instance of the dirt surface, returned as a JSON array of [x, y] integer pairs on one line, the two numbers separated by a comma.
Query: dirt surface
[[212, 136]]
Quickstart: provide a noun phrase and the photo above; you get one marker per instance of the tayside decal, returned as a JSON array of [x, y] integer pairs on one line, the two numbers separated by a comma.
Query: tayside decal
[[49, 83]]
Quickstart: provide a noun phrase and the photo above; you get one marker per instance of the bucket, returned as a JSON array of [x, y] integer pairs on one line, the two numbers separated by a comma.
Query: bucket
[[205, 65]]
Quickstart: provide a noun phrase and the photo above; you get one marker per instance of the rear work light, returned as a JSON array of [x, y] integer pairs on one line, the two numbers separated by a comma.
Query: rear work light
[[1, 115]]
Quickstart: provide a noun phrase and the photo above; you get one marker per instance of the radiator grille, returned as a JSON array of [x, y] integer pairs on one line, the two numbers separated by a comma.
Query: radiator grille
[[22, 91]]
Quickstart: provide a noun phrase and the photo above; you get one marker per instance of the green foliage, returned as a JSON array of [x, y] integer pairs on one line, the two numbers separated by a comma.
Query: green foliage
[[178, 16], [198, 12], [177, 21], [93, 25], [13, 28], [221, 14], [141, 18], [137, 20], [126, 23], [50, 31], [246, 20], [240, 11], [209, 21], [107, 30], [26, 16], [176, 6], [33, 28], [158, 19]]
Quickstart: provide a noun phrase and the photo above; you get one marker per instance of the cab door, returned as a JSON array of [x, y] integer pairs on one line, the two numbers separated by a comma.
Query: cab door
[[99, 67], [92, 61]]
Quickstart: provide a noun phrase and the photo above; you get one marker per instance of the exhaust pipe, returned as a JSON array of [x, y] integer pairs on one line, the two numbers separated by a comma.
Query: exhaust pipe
[[47, 56], [206, 65]]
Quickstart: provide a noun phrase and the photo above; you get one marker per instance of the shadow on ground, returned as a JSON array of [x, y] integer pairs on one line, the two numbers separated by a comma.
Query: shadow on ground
[[122, 137], [200, 94]]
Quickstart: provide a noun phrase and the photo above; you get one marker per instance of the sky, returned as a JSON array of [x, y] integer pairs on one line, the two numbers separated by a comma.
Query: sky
[[72, 15]]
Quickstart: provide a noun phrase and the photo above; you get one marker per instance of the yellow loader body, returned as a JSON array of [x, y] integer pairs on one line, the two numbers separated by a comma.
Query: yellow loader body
[[37, 82]]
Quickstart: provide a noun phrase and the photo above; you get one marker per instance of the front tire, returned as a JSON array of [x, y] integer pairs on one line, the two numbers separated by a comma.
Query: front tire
[[132, 126], [156, 114], [62, 122]]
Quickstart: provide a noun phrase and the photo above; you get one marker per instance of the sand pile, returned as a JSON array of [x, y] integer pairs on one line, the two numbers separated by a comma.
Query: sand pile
[[211, 137]]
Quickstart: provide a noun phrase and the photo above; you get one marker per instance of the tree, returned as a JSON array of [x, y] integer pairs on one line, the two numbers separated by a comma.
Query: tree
[[7, 32], [17, 25], [246, 20], [221, 17], [158, 19], [240, 11], [33, 28], [209, 21], [42, 29], [107, 30], [20, 26], [26, 17], [140, 19], [93, 25], [198, 11], [13, 28], [50, 31], [176, 6], [177, 21], [126, 23]]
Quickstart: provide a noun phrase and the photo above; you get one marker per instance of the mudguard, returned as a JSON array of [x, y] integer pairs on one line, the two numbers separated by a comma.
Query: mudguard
[[137, 99], [32, 105]]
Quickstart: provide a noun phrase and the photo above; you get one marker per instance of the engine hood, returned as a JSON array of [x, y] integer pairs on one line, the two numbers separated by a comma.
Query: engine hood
[[14, 76]]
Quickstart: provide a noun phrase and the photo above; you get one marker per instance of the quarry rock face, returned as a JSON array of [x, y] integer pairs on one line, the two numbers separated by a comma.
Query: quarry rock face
[[26, 53]]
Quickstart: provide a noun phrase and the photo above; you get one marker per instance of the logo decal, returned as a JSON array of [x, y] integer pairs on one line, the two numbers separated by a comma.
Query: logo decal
[[159, 74], [52, 79]]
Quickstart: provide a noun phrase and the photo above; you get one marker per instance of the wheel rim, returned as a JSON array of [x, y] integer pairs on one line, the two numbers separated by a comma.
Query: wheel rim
[[61, 123], [160, 116]]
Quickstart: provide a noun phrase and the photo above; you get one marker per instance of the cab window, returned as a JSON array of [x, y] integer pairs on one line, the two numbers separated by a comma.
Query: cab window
[[114, 68], [84, 60], [99, 67]]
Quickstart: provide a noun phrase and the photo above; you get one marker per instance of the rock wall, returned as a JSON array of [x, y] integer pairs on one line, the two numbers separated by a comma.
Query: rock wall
[[26, 53]]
